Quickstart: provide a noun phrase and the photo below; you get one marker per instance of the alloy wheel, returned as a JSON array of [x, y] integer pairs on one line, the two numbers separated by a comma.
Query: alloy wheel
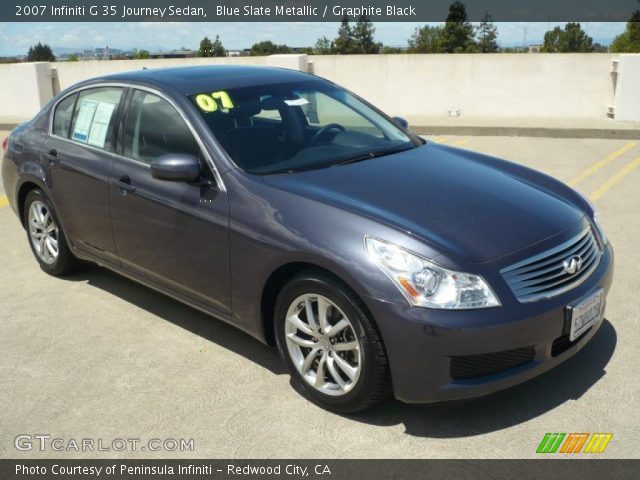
[[323, 345], [43, 232]]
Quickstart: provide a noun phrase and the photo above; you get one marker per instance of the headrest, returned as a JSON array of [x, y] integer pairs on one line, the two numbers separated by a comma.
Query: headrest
[[272, 103], [246, 110]]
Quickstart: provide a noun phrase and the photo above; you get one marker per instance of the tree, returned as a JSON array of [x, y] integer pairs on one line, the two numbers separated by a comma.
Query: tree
[[345, 43], [552, 41], [571, 39], [217, 49], [458, 32], [268, 48], [487, 35], [323, 46], [363, 36], [629, 40], [73, 58], [575, 39], [141, 55], [598, 48], [426, 39], [206, 48], [40, 53], [387, 49]]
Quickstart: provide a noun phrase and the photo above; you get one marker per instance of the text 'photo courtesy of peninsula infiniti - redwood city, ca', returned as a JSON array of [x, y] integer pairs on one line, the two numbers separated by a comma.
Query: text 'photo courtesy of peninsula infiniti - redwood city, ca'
[[378, 263]]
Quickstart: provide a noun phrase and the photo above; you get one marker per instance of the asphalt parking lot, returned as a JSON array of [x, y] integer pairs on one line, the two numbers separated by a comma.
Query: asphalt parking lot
[[98, 356]]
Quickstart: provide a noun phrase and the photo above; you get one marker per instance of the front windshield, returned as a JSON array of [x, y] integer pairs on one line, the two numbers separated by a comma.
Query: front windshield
[[288, 127]]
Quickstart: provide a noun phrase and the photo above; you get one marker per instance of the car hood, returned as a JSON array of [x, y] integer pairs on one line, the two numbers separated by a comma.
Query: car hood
[[462, 203]]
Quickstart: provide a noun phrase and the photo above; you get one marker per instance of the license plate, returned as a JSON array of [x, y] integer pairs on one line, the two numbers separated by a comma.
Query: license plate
[[586, 314]]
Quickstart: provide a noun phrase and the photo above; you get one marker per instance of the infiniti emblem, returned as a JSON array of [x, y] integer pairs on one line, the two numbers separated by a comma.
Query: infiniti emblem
[[573, 264]]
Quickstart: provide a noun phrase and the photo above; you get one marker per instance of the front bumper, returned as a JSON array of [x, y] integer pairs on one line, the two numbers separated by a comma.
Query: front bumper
[[421, 343]]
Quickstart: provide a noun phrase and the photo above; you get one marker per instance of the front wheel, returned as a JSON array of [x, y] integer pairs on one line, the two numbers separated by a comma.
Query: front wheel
[[332, 348], [46, 238]]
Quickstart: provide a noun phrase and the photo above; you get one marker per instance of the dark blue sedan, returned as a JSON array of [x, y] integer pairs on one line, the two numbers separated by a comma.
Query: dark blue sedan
[[378, 263]]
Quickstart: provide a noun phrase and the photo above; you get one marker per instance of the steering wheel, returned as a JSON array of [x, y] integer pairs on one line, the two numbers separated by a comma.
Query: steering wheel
[[330, 126]]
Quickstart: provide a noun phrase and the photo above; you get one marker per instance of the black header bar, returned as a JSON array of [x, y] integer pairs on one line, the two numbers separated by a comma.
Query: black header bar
[[584, 469], [310, 10]]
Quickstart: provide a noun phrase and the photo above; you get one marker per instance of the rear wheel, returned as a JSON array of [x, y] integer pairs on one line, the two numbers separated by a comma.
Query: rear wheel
[[46, 237], [330, 344]]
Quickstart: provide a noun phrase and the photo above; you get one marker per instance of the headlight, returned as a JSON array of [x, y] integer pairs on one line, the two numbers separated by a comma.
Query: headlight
[[596, 220], [426, 284]]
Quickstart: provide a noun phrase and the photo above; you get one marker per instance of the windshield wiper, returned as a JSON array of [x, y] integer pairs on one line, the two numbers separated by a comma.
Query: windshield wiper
[[291, 170], [354, 159], [376, 154]]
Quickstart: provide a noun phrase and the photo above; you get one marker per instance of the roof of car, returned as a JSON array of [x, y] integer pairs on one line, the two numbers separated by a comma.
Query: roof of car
[[196, 79]]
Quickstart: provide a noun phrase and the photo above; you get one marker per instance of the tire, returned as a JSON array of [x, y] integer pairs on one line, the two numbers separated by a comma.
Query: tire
[[46, 238], [351, 358]]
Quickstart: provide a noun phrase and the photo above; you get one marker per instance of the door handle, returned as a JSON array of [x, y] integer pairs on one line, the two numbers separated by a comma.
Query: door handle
[[52, 156], [124, 185]]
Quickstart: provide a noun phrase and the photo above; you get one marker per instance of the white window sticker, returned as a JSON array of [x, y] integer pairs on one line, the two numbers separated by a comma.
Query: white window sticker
[[92, 122], [100, 124], [82, 125], [297, 102]]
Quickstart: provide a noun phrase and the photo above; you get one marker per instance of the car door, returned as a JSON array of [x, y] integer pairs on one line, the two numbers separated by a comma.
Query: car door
[[173, 234], [78, 155]]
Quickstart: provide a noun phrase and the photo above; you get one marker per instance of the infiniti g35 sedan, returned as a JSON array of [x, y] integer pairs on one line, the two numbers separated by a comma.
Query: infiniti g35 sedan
[[378, 263]]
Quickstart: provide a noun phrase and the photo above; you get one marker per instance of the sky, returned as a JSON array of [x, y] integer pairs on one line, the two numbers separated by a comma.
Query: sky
[[15, 38]]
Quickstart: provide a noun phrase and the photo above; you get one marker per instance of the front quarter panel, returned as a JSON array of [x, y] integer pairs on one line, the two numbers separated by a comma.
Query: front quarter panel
[[271, 228]]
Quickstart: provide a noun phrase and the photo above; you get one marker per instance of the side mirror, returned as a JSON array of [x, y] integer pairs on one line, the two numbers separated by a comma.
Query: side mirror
[[176, 167], [402, 122]]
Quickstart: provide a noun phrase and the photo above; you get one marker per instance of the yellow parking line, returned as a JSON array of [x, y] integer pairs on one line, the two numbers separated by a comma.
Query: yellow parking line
[[623, 172], [440, 139], [597, 166], [4, 201]]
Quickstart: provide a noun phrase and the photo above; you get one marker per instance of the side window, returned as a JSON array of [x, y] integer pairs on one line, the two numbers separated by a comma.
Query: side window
[[94, 116], [154, 128], [63, 115]]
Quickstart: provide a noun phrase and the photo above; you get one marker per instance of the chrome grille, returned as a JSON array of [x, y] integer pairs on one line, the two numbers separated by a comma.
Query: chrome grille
[[544, 275]]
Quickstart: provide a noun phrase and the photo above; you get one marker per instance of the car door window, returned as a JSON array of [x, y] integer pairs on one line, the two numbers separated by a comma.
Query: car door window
[[63, 115], [94, 116], [155, 128]]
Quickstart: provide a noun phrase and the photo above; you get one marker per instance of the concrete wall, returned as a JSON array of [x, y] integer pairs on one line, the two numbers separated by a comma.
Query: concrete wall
[[480, 86], [421, 88], [24, 88], [627, 97]]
